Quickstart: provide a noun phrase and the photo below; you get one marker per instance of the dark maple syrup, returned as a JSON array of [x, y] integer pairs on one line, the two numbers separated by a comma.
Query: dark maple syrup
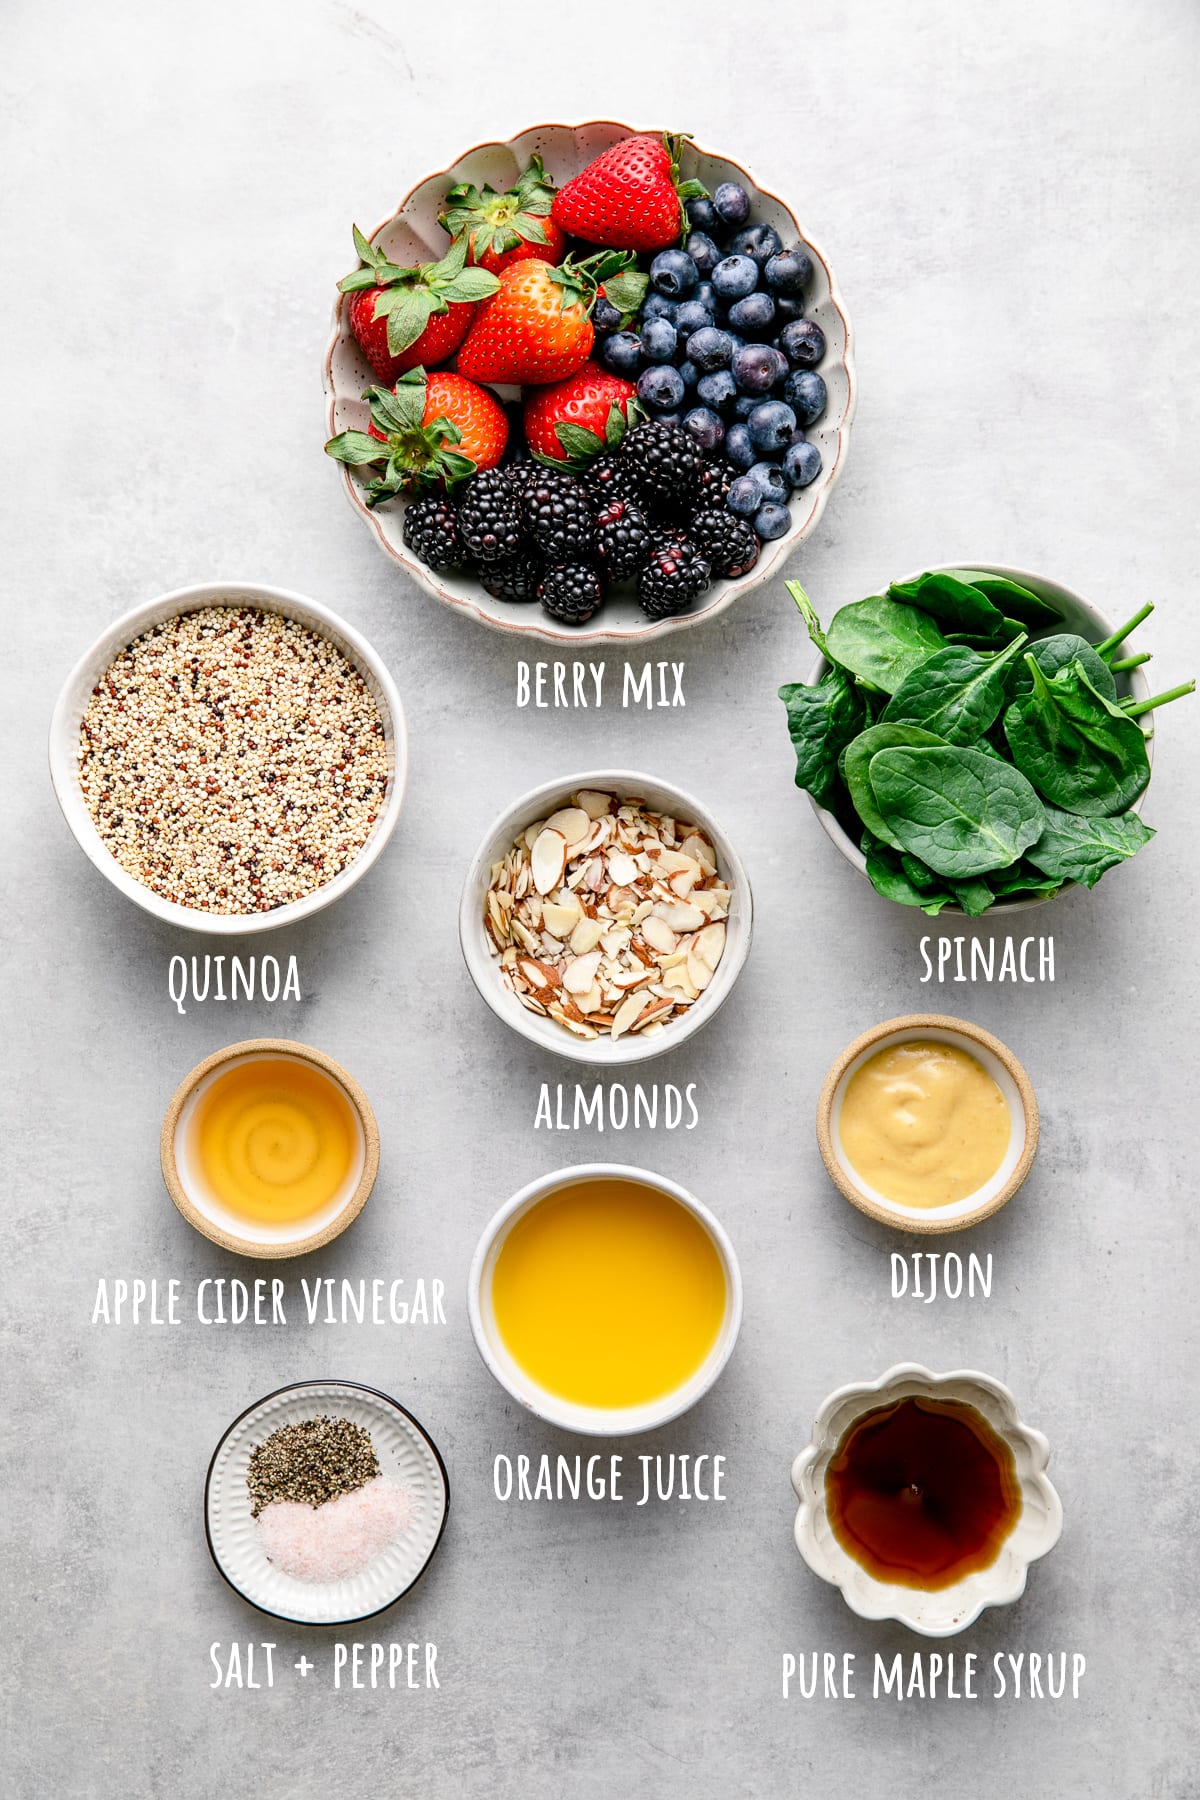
[[922, 1492]]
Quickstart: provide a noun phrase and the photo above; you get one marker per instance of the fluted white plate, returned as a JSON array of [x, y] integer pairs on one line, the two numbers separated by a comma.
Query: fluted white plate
[[407, 1454]]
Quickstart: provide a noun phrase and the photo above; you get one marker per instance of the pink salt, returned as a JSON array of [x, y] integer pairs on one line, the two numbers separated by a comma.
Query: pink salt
[[336, 1540]]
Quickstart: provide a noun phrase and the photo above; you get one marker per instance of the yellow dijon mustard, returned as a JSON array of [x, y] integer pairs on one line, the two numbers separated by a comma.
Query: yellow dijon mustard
[[924, 1124]]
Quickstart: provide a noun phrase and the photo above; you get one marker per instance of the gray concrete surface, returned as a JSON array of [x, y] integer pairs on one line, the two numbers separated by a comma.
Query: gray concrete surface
[[1007, 197]]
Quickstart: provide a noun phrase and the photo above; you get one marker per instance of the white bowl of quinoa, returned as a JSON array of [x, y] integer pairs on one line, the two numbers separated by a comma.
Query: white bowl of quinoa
[[232, 757]]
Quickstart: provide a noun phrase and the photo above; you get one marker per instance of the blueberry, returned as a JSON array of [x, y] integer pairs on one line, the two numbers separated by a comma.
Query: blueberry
[[771, 520], [745, 495], [706, 294], [605, 316], [756, 314], [802, 342], [673, 273], [669, 418], [789, 271], [702, 214], [659, 338], [691, 316], [703, 252], [745, 404], [709, 348], [760, 243], [658, 307], [661, 387], [801, 462], [705, 427], [772, 481], [731, 203], [742, 453], [689, 374], [756, 368], [788, 307], [622, 353], [718, 390], [771, 427], [804, 391], [735, 276]]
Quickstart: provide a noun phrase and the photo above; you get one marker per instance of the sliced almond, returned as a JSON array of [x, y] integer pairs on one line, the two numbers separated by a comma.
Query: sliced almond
[[630, 978], [592, 1001], [698, 972], [572, 822], [539, 974], [559, 919], [579, 974], [616, 940], [699, 847], [683, 883], [710, 943], [594, 803], [548, 860], [678, 978], [532, 833], [674, 862], [658, 935], [682, 916], [622, 868], [626, 1013], [586, 936]]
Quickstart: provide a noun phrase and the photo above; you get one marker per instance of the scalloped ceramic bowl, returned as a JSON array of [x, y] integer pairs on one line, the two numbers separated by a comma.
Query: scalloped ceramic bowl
[[73, 702], [950, 1610], [412, 234], [1078, 616]]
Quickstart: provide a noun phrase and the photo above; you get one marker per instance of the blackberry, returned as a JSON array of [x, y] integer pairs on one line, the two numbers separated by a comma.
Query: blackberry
[[728, 542], [623, 538], [431, 532], [671, 579], [713, 483], [557, 513], [519, 474], [665, 460], [611, 478], [489, 518], [571, 592], [516, 578]]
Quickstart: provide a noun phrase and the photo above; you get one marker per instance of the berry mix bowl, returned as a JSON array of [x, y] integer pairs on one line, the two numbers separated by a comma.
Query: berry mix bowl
[[590, 384]]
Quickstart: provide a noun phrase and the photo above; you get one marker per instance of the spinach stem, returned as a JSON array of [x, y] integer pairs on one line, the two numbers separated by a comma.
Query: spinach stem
[[808, 614], [1118, 637], [1145, 706], [1130, 662]]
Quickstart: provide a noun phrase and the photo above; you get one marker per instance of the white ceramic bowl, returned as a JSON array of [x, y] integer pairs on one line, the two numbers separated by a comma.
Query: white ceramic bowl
[[406, 1454], [952, 1609], [76, 693], [484, 968], [1080, 617], [999, 1062], [595, 1421], [412, 234]]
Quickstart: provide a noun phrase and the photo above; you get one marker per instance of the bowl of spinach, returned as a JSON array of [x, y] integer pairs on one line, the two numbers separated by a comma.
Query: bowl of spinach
[[973, 738]]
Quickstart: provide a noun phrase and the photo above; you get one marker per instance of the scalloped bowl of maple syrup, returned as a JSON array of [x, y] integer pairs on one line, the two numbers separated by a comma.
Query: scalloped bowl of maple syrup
[[925, 1498]]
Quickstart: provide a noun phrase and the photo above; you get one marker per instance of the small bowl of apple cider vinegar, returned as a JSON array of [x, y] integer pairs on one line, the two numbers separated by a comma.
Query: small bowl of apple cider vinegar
[[269, 1148], [605, 1299]]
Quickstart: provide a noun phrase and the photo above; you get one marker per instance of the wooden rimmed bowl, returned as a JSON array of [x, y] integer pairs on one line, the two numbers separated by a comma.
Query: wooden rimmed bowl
[[223, 1226], [998, 1061]]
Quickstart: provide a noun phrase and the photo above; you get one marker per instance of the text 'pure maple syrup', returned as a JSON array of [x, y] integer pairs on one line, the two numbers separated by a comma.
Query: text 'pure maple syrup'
[[922, 1492]]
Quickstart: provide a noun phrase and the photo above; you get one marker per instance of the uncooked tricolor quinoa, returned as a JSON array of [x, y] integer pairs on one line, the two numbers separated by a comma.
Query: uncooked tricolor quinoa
[[232, 760]]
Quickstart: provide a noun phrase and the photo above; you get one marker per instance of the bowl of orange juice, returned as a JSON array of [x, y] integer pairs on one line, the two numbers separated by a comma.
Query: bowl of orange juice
[[605, 1299], [269, 1148]]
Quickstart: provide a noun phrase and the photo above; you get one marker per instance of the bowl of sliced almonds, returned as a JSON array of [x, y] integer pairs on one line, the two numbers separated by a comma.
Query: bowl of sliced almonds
[[606, 917]]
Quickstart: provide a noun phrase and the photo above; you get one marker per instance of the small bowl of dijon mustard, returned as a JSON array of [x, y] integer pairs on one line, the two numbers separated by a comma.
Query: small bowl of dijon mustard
[[927, 1123]]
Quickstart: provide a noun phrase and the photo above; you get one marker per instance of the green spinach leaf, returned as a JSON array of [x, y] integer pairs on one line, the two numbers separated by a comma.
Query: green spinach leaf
[[956, 693], [880, 641], [822, 720], [1054, 653], [961, 811], [855, 770], [973, 897], [956, 604], [1082, 753], [1017, 601], [1075, 849], [889, 879]]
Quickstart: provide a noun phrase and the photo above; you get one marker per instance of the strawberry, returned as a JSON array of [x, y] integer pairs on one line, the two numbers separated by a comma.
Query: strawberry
[[405, 317], [574, 420], [630, 197], [505, 228], [536, 328], [435, 430]]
